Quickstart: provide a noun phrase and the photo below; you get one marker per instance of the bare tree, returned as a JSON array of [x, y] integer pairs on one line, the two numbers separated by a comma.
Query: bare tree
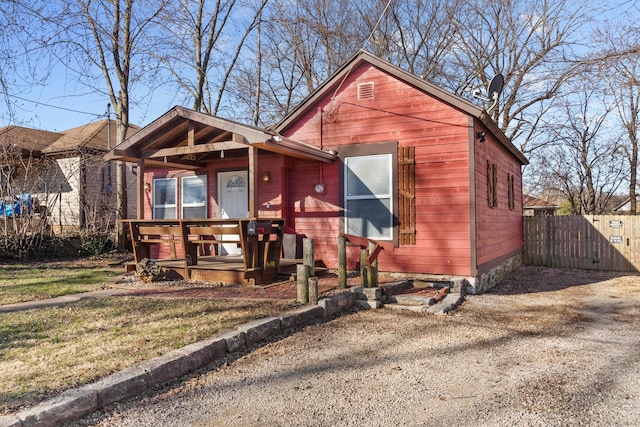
[[108, 37], [620, 68], [23, 59], [201, 44], [301, 44], [417, 35], [531, 43], [584, 164]]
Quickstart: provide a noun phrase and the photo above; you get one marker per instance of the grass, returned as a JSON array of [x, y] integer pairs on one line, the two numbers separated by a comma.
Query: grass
[[35, 281], [45, 351]]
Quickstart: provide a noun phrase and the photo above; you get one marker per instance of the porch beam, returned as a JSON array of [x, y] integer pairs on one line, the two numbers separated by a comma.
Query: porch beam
[[191, 134], [183, 164], [195, 149], [253, 182], [297, 150], [140, 189]]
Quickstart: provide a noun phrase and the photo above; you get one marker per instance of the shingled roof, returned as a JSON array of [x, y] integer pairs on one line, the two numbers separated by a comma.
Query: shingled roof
[[35, 142], [30, 141]]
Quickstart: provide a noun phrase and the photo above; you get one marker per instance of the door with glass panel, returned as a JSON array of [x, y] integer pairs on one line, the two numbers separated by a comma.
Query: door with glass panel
[[233, 202]]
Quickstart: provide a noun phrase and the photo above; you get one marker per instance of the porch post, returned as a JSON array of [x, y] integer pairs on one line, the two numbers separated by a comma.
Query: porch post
[[253, 182], [140, 190]]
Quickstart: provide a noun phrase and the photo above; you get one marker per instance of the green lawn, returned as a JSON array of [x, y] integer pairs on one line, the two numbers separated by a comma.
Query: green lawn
[[21, 282], [45, 351]]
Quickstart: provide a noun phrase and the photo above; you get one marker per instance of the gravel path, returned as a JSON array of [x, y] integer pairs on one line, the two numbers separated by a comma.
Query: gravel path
[[545, 348]]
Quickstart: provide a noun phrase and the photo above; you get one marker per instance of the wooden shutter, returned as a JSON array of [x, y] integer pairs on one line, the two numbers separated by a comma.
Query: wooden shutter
[[407, 195], [492, 184]]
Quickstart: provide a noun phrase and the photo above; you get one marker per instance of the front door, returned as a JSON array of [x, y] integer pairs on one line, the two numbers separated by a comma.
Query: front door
[[233, 202]]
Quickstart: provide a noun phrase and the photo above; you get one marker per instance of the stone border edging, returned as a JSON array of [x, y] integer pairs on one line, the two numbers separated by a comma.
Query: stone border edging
[[132, 381]]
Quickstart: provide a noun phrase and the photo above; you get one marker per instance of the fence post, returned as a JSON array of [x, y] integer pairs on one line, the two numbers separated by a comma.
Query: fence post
[[303, 283], [373, 268], [364, 268], [308, 256], [313, 290], [342, 262]]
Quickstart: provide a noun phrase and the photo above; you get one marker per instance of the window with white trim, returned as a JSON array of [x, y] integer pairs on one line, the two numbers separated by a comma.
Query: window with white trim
[[194, 197], [164, 198], [368, 191]]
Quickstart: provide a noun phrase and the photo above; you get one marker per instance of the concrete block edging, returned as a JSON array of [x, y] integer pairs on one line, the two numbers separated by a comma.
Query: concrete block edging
[[132, 381]]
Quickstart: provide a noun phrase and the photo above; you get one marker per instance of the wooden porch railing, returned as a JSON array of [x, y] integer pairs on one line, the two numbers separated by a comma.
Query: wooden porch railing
[[260, 240]]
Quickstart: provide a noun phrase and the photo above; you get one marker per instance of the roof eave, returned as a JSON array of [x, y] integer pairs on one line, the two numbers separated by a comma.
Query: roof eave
[[409, 78]]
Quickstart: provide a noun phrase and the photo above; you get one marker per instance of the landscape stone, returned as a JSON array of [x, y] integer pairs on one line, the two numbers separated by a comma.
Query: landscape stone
[[301, 316], [234, 340], [68, 406], [448, 304], [166, 367], [10, 421], [261, 329], [204, 352], [337, 303], [369, 304], [120, 385], [367, 293], [408, 300]]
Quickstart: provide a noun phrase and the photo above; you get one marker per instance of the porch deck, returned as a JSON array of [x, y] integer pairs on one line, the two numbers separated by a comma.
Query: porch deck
[[228, 269], [193, 246]]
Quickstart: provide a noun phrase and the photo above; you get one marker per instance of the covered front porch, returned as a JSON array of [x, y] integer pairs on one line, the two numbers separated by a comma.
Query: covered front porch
[[194, 248], [186, 163]]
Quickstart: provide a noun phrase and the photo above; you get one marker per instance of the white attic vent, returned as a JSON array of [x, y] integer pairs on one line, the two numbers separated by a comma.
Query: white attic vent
[[365, 91]]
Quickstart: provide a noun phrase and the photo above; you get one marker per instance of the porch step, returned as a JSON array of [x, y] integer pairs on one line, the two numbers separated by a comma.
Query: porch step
[[407, 300], [421, 304]]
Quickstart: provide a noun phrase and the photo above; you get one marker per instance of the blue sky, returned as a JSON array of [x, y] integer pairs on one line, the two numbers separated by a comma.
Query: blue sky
[[61, 104]]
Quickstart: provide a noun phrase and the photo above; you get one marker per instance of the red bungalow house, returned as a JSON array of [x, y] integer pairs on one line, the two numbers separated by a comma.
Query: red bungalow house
[[374, 152]]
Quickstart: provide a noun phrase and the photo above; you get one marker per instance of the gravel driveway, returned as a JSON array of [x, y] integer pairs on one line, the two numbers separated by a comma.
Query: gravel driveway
[[546, 347]]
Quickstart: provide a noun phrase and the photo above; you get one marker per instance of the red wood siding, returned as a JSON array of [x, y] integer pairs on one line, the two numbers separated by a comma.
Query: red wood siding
[[499, 229], [399, 113]]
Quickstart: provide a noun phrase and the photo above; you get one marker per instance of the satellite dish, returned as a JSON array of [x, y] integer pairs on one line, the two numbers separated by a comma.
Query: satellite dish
[[495, 89]]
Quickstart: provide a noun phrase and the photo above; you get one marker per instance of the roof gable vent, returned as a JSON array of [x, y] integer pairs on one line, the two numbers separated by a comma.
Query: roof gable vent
[[365, 91]]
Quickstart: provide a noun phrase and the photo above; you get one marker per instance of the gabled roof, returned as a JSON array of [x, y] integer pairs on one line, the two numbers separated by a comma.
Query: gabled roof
[[35, 142], [30, 141], [186, 138], [362, 57], [93, 136], [532, 202]]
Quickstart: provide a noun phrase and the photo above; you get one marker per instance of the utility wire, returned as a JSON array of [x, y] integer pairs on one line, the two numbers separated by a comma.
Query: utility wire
[[57, 106], [375, 27]]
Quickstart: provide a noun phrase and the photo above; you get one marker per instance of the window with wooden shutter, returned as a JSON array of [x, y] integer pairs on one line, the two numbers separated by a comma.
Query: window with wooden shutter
[[510, 190], [492, 183], [368, 191], [407, 195]]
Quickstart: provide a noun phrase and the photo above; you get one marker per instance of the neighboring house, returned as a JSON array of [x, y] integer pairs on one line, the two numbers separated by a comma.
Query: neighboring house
[[623, 207], [374, 152], [65, 172], [534, 206]]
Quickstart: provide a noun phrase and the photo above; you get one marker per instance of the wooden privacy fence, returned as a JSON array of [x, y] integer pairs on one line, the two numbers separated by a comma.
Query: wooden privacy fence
[[595, 242]]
